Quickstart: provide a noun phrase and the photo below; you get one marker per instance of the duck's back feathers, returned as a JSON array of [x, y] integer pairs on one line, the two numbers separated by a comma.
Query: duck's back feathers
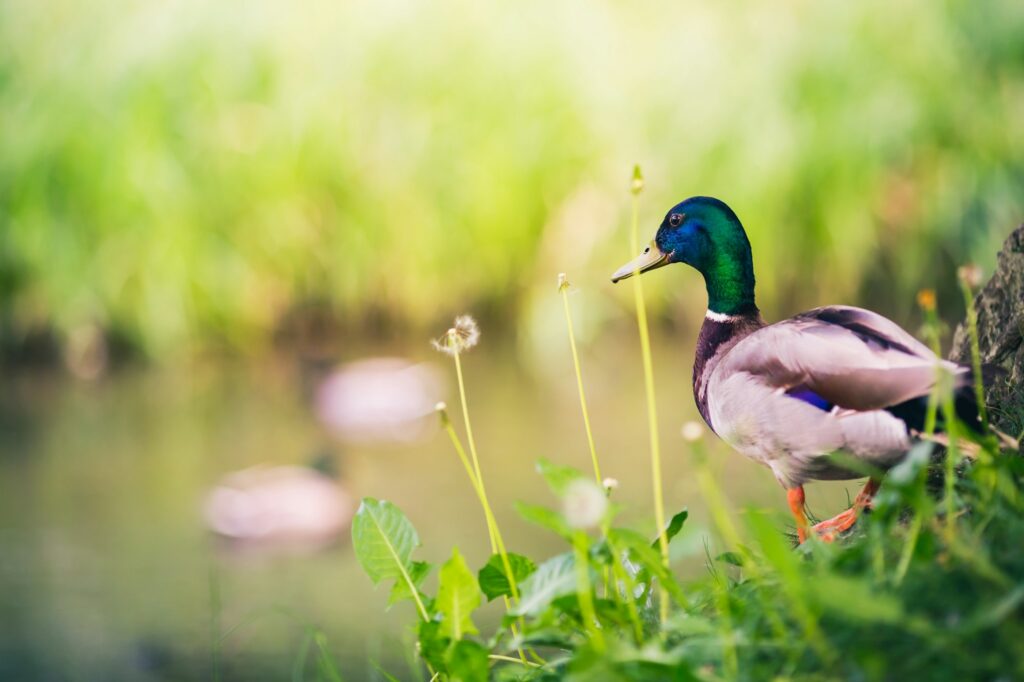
[[848, 357]]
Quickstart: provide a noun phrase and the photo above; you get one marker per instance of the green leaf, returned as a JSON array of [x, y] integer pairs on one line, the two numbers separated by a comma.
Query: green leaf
[[492, 578], [674, 526], [457, 595], [467, 662], [558, 477], [383, 539], [418, 570], [545, 518], [731, 558], [554, 578], [433, 645], [650, 561]]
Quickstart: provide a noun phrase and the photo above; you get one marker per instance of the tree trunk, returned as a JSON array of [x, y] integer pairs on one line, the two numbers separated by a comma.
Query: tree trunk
[[1000, 306]]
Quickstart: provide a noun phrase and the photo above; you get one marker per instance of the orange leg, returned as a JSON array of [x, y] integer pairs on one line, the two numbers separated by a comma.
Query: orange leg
[[842, 522], [795, 496]]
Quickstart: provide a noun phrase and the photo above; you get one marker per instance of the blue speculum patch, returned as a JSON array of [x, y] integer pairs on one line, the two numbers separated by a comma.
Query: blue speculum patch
[[810, 397]]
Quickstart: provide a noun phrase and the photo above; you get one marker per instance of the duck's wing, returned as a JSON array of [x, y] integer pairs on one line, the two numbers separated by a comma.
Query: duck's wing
[[840, 356]]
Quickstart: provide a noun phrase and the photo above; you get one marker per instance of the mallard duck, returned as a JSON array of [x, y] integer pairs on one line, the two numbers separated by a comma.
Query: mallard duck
[[790, 394]]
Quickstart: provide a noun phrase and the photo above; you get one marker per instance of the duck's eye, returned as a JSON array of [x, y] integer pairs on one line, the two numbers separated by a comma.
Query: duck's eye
[[675, 220], [647, 250]]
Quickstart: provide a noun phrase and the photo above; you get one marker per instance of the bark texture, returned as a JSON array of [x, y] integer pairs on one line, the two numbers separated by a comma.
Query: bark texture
[[1000, 306]]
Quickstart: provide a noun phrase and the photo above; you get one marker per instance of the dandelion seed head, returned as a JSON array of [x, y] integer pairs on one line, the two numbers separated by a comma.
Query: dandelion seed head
[[584, 504], [461, 337], [610, 484], [563, 282], [692, 432], [441, 406], [970, 274]]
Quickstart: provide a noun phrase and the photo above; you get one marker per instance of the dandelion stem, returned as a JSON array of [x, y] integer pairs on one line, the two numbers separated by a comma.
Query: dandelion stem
[[494, 534], [652, 410], [584, 593], [972, 331], [564, 288]]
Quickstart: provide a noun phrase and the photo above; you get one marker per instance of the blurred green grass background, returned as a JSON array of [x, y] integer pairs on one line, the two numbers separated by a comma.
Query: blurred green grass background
[[189, 175]]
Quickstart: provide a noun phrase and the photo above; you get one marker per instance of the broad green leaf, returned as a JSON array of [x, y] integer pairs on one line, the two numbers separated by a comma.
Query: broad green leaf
[[457, 595], [418, 570], [383, 539], [558, 477], [432, 644], [467, 662], [492, 578], [552, 579], [544, 517], [650, 561]]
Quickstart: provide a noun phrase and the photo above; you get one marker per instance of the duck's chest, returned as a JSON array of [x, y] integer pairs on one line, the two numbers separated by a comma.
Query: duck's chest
[[718, 335]]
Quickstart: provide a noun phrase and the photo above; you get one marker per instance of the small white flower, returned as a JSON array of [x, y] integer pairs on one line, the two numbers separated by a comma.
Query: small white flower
[[460, 338], [610, 484], [441, 406], [692, 432], [584, 504], [563, 281]]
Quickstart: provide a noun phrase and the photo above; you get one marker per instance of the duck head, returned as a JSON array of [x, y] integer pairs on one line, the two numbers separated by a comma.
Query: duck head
[[704, 233]]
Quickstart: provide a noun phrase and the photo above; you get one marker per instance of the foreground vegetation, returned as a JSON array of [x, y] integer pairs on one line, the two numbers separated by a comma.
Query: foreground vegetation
[[913, 593], [928, 585]]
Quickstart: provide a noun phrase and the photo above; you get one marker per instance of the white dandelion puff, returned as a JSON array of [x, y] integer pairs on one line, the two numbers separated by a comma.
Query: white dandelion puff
[[584, 504], [461, 337], [610, 484], [692, 432]]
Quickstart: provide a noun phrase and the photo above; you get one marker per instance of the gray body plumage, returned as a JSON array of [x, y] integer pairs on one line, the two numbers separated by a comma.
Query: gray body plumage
[[748, 379]]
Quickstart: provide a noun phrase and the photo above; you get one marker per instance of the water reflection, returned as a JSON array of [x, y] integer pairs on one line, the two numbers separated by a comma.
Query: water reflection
[[108, 569]]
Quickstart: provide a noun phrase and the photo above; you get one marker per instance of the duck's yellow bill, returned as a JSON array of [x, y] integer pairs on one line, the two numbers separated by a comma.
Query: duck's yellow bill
[[651, 258]]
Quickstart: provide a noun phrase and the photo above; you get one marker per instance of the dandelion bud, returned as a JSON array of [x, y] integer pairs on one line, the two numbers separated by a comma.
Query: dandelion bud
[[692, 432], [584, 504], [637, 185], [610, 484], [563, 282], [970, 274], [926, 299]]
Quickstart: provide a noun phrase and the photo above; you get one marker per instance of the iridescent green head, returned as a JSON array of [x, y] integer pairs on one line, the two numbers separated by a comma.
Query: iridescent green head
[[703, 232]]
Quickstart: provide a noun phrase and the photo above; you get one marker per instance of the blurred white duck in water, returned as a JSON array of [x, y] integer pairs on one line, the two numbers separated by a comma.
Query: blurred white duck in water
[[790, 394], [380, 399], [280, 507]]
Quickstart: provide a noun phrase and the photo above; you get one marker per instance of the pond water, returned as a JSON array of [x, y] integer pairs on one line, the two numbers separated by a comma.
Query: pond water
[[107, 567]]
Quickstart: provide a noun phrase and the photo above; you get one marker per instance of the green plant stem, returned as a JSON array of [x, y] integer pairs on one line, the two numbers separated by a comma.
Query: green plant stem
[[469, 428], [494, 534], [952, 456], [584, 593], [908, 548], [579, 384], [652, 410], [972, 331], [731, 660], [509, 659]]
